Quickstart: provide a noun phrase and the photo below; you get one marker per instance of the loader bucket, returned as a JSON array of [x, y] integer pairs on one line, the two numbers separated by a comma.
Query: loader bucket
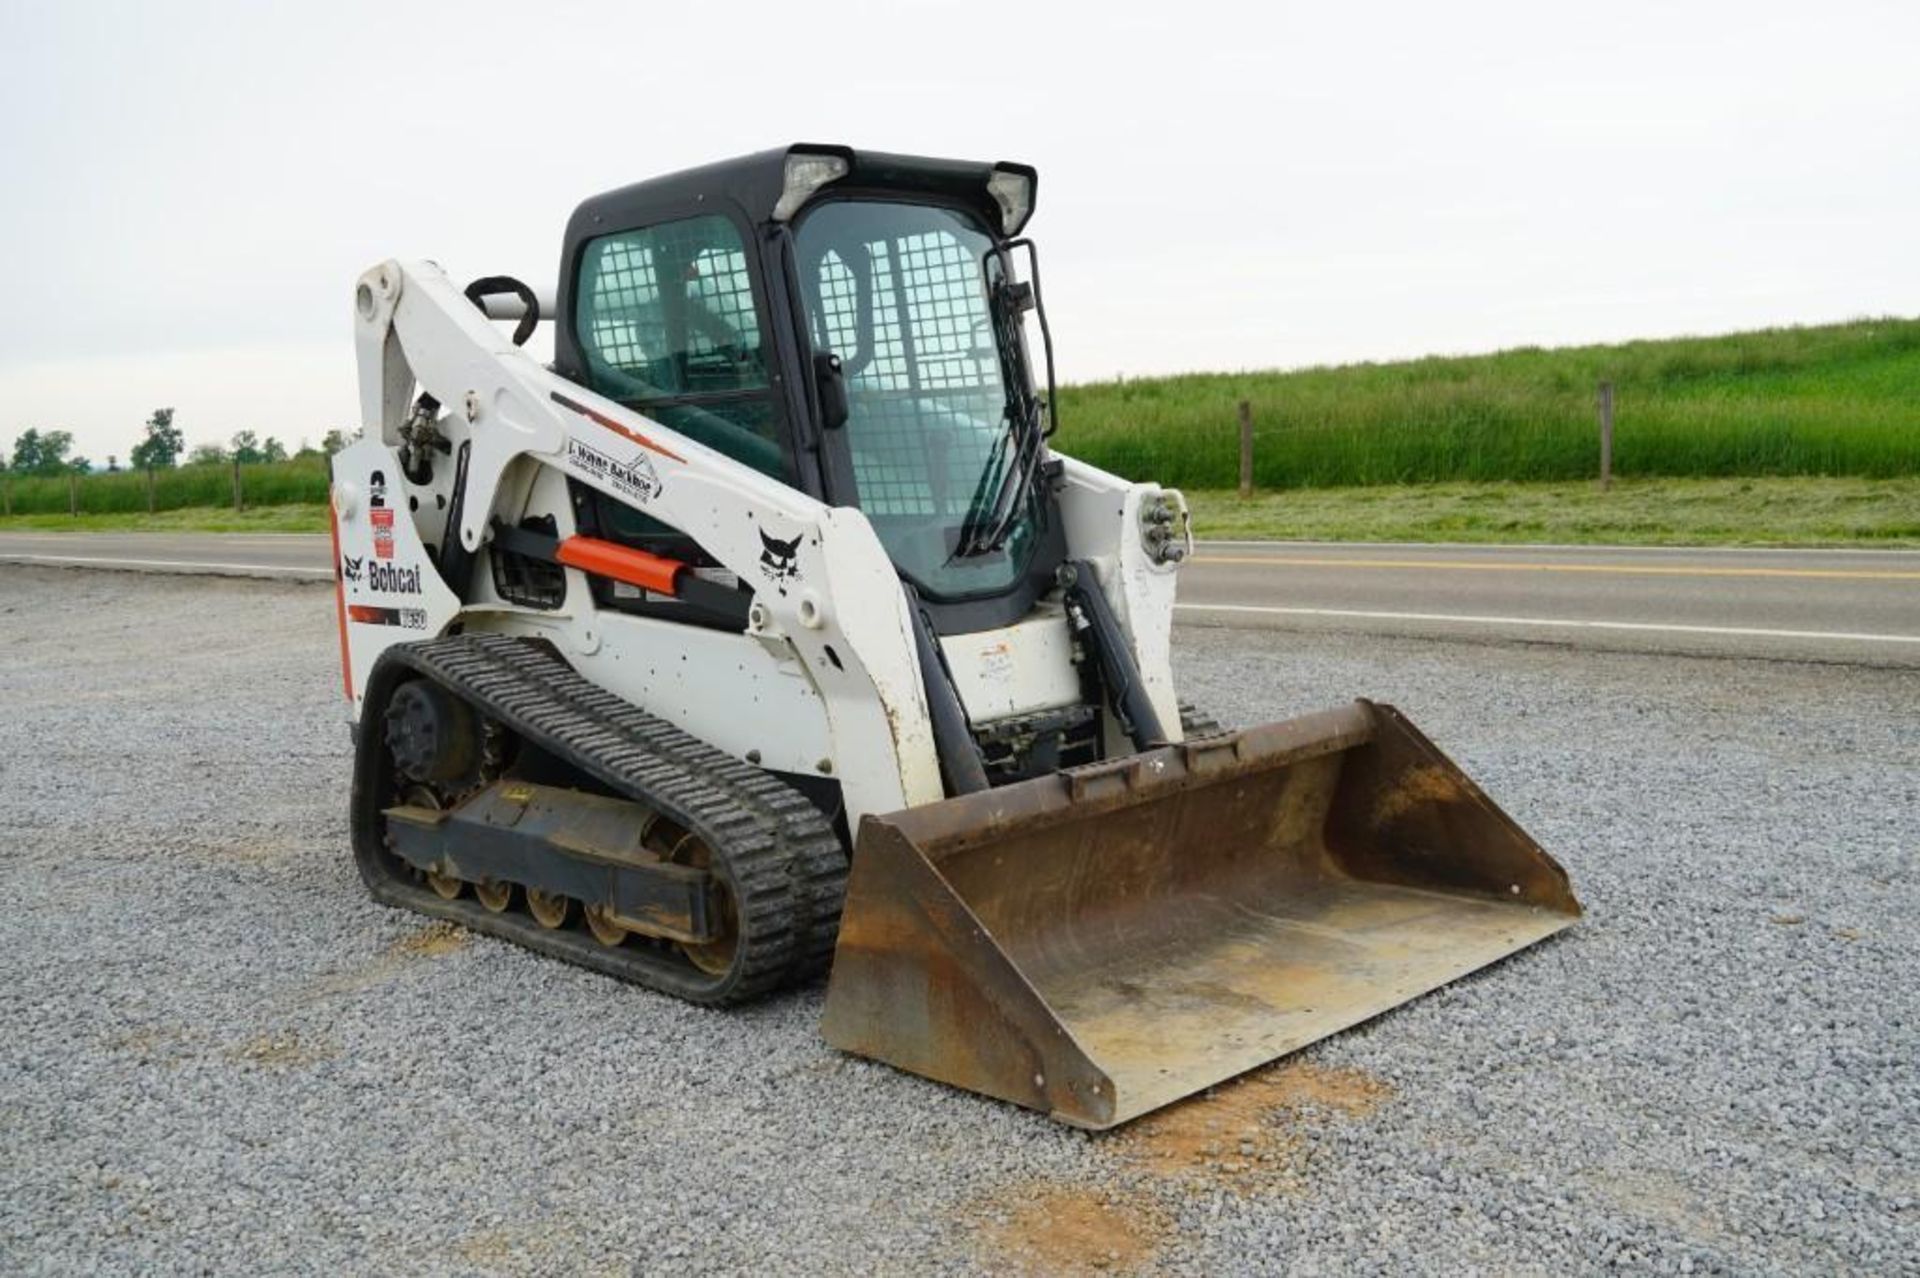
[[1098, 943]]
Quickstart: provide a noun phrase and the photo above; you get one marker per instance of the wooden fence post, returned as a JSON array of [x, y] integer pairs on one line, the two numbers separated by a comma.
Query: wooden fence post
[[73, 494], [149, 490], [1606, 435], [236, 485], [1246, 449]]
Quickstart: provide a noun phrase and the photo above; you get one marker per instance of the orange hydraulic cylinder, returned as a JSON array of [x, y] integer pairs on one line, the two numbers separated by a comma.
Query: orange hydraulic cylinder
[[622, 563]]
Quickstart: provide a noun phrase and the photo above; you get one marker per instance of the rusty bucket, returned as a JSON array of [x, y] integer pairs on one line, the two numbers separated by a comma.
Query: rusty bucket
[[1101, 942]]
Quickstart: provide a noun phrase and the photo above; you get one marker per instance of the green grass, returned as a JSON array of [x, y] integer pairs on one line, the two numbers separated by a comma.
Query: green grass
[[301, 480], [1760, 512], [272, 519], [1840, 399], [1505, 435]]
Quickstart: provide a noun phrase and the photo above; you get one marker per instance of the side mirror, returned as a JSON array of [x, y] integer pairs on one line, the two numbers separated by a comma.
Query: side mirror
[[831, 385]]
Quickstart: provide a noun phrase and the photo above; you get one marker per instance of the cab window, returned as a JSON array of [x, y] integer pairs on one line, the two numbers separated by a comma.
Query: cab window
[[669, 326]]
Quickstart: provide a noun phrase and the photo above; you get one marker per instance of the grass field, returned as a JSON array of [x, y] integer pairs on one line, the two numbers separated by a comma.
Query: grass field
[[301, 480], [1834, 400], [1782, 512], [1653, 512], [1506, 437]]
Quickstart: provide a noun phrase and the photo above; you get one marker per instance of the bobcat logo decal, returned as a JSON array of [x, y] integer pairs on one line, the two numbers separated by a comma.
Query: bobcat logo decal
[[777, 559], [350, 568]]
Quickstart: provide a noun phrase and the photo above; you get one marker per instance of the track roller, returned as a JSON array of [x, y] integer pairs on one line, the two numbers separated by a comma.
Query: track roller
[[549, 909]]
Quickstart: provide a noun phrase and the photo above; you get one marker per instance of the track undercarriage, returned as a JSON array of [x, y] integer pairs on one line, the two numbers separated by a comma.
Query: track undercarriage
[[496, 788]]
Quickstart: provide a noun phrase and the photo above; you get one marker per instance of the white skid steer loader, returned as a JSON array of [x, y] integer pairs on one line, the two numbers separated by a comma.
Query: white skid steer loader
[[764, 631]]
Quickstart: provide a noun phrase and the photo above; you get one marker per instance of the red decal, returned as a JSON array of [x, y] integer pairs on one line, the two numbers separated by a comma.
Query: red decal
[[382, 532], [616, 427]]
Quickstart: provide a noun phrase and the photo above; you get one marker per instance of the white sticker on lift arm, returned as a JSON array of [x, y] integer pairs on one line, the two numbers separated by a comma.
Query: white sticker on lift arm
[[636, 478]]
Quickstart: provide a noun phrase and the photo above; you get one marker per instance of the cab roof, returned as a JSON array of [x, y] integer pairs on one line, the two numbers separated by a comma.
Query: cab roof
[[749, 186]]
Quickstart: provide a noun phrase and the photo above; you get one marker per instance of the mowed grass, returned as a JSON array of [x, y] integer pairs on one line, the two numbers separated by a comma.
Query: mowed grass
[[1760, 512], [309, 518], [1651, 512], [1840, 399]]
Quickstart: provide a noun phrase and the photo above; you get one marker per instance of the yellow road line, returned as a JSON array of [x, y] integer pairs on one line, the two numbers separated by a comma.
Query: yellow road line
[[1514, 565]]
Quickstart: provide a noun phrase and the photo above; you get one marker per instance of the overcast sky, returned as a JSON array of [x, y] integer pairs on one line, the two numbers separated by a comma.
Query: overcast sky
[[188, 191]]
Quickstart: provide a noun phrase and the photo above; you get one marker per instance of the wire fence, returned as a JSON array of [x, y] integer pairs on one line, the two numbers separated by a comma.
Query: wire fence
[[1832, 400]]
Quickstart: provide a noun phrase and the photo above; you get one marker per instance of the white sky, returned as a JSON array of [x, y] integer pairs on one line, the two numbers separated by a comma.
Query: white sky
[[188, 190]]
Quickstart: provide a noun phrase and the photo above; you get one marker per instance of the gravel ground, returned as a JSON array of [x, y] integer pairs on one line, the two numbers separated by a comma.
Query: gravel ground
[[217, 1054]]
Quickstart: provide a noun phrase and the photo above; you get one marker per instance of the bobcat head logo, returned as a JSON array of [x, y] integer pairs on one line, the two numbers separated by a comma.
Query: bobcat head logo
[[777, 558], [350, 568]]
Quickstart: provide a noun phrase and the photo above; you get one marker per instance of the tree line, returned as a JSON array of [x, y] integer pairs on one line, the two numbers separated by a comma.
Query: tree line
[[50, 452]]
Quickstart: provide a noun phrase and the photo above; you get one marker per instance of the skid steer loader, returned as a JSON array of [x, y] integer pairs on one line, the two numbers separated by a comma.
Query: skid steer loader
[[763, 631]]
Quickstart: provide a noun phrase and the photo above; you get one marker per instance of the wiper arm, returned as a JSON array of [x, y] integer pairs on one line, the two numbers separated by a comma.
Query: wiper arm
[[988, 524], [995, 469], [1016, 480], [978, 535]]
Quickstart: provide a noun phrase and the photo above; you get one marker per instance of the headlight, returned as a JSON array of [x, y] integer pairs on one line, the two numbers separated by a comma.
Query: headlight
[[1012, 190], [806, 173]]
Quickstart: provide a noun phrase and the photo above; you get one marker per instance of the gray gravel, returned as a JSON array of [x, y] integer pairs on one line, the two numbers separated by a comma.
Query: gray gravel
[[216, 1054]]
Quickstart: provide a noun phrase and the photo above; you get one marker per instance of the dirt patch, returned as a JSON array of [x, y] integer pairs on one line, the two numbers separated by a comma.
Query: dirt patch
[[160, 1044], [547, 1248], [431, 941], [435, 940], [1056, 1230], [1669, 1201], [1299, 1084], [283, 1051], [1242, 1134], [245, 852], [491, 1248]]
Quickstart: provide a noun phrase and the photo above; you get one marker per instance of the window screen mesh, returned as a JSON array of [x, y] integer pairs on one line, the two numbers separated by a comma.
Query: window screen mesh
[[899, 291], [666, 313], [669, 310], [924, 388], [624, 325], [836, 317]]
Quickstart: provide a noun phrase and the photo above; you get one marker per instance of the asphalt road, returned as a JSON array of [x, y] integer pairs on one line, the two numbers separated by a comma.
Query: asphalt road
[[289, 556], [1834, 605], [1855, 606]]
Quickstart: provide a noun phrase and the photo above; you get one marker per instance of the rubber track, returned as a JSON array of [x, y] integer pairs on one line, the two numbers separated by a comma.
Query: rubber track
[[788, 866]]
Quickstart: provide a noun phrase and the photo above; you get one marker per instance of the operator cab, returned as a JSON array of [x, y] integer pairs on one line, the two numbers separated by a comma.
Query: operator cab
[[850, 323]]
